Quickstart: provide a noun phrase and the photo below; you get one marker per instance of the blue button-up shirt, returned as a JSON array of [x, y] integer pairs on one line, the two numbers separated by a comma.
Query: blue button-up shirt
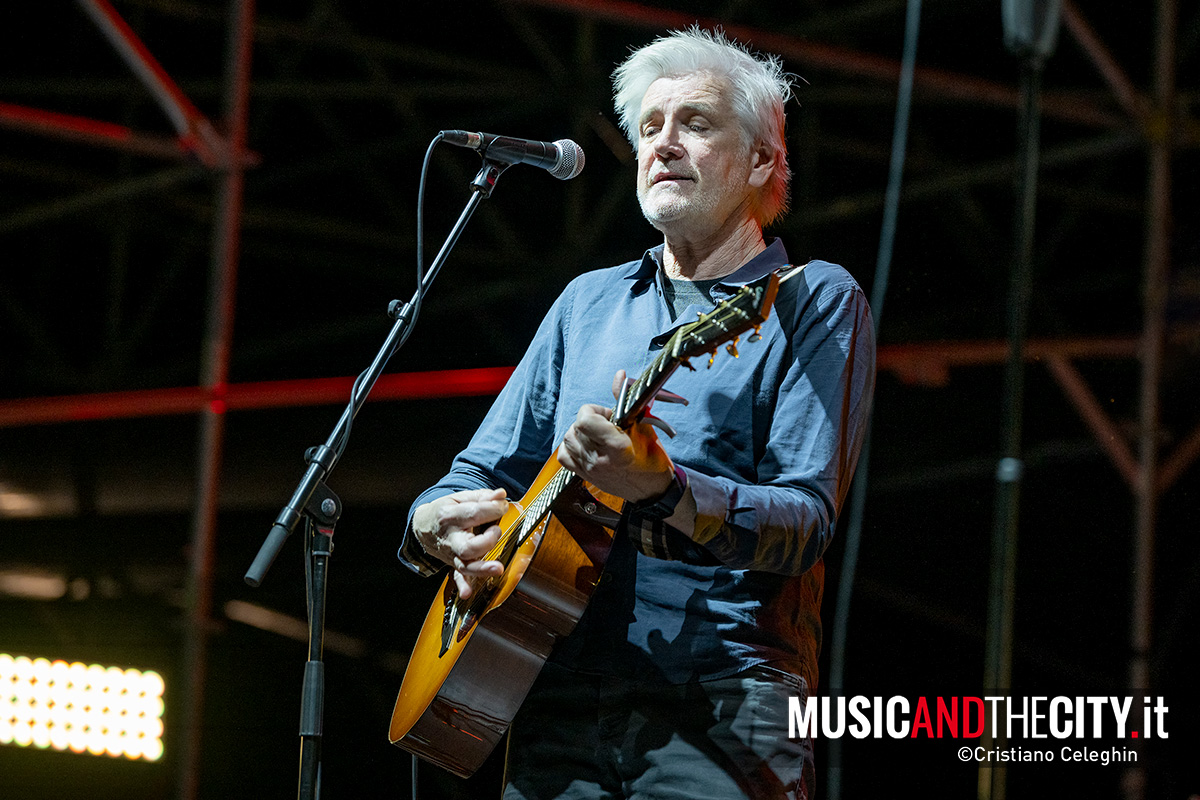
[[769, 441]]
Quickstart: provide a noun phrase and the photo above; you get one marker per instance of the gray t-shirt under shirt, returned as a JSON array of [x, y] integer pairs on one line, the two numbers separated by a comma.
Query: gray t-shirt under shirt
[[681, 293]]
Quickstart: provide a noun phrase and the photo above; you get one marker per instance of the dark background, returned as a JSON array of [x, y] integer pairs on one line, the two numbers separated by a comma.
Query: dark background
[[111, 295]]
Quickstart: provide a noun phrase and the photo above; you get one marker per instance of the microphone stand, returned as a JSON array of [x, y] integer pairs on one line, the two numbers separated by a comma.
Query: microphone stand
[[319, 508]]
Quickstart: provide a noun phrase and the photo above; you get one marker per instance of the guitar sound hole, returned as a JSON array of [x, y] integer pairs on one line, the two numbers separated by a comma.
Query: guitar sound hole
[[462, 615]]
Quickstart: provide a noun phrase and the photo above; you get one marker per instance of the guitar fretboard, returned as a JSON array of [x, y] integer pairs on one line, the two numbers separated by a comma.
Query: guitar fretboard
[[745, 310], [537, 510]]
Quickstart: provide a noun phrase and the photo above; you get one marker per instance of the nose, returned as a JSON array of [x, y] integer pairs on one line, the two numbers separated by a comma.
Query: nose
[[666, 144]]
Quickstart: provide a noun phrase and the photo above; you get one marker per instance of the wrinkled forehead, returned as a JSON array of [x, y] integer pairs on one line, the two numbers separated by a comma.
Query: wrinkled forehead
[[704, 92]]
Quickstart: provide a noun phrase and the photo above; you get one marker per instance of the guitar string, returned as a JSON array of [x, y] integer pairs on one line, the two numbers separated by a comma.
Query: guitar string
[[531, 516], [719, 317]]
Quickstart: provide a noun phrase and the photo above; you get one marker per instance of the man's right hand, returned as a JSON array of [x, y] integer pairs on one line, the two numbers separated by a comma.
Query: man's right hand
[[445, 529]]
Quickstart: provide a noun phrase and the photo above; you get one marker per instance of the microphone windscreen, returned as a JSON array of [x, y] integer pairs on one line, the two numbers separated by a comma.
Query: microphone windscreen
[[570, 160]]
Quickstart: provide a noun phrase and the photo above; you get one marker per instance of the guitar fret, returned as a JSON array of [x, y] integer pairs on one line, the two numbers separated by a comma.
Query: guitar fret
[[704, 335], [635, 396], [541, 504]]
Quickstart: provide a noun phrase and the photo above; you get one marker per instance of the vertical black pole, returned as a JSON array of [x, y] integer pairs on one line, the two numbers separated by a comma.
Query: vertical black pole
[[1030, 31], [319, 546], [1010, 467], [883, 265], [1156, 266]]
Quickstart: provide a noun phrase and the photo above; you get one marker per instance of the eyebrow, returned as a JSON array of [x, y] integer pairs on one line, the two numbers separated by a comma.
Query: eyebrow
[[701, 107]]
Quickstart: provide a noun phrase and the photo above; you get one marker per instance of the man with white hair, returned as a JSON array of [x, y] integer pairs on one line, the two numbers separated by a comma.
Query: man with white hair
[[675, 683]]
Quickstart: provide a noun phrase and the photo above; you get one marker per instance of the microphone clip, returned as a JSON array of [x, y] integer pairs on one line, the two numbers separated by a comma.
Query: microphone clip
[[485, 180]]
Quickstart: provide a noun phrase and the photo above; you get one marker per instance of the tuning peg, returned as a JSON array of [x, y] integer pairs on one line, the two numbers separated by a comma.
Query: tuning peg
[[757, 335], [687, 362], [731, 348], [712, 355]]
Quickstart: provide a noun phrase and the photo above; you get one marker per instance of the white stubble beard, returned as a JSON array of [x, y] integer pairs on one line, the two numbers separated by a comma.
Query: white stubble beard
[[661, 210]]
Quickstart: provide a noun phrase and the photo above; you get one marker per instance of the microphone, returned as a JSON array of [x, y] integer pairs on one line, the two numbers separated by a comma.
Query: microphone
[[563, 159]]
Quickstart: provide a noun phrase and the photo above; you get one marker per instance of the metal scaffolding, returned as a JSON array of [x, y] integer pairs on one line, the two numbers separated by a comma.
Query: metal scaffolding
[[202, 150]]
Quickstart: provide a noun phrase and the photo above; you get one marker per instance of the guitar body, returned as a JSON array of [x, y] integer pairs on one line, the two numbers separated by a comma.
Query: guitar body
[[475, 661]]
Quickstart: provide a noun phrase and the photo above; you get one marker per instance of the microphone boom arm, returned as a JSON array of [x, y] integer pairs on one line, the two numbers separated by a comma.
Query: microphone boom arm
[[322, 459]]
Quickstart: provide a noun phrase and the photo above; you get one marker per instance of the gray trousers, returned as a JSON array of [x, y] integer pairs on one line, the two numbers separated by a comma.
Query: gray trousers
[[587, 737]]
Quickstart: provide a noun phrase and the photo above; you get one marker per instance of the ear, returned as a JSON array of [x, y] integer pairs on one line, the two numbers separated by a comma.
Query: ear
[[763, 160]]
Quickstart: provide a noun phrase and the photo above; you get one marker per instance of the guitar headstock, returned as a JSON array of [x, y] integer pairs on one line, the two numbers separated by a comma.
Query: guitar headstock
[[747, 309]]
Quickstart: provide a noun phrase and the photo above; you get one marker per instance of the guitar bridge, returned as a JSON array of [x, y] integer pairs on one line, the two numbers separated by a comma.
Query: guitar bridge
[[460, 615]]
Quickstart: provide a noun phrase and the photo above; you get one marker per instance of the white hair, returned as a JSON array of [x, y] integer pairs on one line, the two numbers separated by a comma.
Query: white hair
[[760, 90]]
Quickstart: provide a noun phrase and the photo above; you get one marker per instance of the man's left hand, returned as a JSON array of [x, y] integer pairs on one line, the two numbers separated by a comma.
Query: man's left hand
[[629, 464]]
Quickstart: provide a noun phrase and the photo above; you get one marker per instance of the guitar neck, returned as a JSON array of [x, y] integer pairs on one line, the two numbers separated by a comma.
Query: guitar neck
[[640, 392], [533, 514], [746, 310], [630, 407]]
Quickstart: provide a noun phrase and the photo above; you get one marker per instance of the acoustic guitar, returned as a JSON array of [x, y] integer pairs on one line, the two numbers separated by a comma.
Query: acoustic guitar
[[475, 659]]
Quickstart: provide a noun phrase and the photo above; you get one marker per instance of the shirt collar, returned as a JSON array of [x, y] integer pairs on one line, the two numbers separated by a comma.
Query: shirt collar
[[772, 258]]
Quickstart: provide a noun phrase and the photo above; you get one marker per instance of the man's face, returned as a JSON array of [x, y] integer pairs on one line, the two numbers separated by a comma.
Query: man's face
[[693, 163]]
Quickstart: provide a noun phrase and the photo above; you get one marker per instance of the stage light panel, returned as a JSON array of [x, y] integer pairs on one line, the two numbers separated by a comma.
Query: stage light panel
[[81, 708]]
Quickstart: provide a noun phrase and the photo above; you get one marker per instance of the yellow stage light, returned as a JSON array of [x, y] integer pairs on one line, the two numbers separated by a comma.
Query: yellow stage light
[[81, 708]]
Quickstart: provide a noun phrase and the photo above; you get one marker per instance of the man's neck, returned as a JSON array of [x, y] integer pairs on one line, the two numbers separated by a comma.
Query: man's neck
[[714, 256]]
